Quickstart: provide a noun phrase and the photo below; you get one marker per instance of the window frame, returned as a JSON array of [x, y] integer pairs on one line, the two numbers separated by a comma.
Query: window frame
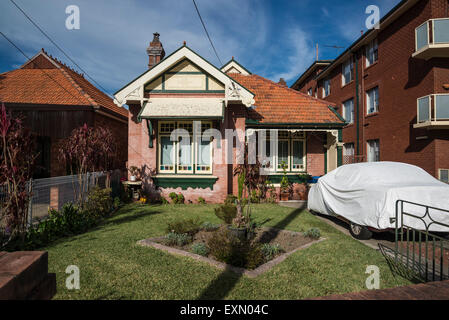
[[344, 110], [368, 100], [194, 136], [350, 62], [324, 88], [439, 174], [372, 44], [304, 154], [368, 149], [278, 168]]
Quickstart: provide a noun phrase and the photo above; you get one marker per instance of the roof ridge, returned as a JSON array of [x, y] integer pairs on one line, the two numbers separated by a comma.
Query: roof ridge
[[293, 90]]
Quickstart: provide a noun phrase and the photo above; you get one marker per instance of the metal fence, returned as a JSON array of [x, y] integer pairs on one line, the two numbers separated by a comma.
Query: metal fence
[[421, 252], [54, 192]]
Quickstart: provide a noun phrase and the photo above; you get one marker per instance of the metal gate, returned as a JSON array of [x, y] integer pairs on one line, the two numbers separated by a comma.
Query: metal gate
[[422, 253]]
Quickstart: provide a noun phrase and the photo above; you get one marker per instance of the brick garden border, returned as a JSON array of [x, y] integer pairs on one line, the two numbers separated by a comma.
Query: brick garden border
[[220, 265]]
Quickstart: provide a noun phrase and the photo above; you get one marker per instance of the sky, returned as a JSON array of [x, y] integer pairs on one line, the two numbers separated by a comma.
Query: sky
[[274, 39]]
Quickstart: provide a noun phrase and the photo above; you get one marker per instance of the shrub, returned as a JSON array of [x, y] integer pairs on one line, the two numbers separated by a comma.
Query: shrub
[[116, 202], [313, 233], [233, 251], [181, 199], [209, 226], [173, 239], [189, 226], [99, 202], [200, 248], [255, 198], [201, 200], [226, 213], [173, 196], [164, 201], [270, 250], [230, 199]]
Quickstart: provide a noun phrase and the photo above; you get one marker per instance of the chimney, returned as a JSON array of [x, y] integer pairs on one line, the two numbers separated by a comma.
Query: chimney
[[282, 82], [155, 51]]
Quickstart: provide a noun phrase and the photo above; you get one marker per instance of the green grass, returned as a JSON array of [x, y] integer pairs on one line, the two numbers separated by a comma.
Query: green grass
[[112, 266]]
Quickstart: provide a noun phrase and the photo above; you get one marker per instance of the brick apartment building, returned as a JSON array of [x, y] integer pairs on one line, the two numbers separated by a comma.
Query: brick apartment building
[[54, 99], [392, 88], [183, 89]]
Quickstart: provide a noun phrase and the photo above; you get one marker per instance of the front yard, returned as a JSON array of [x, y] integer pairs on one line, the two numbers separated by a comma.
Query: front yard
[[113, 266]]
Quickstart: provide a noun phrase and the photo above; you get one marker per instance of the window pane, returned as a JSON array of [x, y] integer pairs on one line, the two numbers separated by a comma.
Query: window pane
[[444, 175], [442, 107], [204, 156], [298, 153], [373, 100], [423, 109], [282, 153], [441, 27], [167, 154], [348, 111], [422, 36], [185, 154], [373, 151]]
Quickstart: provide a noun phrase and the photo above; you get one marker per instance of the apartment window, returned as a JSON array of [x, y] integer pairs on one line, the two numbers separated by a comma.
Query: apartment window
[[444, 175], [372, 150], [326, 88], [348, 110], [309, 92], [189, 154], [347, 74], [348, 149], [372, 100], [316, 92], [371, 53]]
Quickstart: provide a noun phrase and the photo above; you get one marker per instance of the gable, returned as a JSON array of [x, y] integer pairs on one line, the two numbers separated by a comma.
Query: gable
[[184, 77], [183, 71], [234, 67]]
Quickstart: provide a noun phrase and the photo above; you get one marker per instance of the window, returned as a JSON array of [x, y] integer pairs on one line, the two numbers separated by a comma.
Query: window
[[326, 88], [189, 154], [372, 100], [347, 74], [372, 150], [309, 92], [348, 149], [371, 53], [298, 155], [348, 110], [444, 175]]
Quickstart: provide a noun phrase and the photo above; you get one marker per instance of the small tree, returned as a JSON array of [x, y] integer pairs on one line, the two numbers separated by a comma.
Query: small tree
[[87, 149], [17, 160]]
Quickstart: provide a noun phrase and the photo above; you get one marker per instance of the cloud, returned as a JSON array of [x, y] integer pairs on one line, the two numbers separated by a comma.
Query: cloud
[[301, 54]]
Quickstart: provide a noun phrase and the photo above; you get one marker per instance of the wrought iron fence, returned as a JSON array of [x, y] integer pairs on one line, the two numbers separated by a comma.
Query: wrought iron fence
[[422, 250]]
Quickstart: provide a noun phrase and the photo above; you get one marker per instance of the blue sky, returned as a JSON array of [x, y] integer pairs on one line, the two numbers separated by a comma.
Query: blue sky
[[271, 38]]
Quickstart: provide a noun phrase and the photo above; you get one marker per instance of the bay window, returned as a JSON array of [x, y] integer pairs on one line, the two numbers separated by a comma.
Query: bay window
[[189, 153]]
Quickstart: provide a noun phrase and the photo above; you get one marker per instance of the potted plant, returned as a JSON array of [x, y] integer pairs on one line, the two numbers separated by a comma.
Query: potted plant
[[134, 171], [285, 184]]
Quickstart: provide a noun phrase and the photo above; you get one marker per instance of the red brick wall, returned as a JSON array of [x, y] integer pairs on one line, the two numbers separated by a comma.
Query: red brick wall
[[315, 153], [401, 80]]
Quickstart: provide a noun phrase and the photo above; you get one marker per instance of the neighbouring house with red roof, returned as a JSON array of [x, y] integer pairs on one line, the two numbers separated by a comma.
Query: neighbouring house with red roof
[[219, 110], [54, 99]]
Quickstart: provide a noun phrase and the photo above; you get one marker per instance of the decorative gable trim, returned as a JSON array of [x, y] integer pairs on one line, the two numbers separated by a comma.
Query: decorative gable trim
[[232, 66]]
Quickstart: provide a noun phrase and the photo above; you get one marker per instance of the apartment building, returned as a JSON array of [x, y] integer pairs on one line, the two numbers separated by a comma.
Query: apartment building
[[392, 88]]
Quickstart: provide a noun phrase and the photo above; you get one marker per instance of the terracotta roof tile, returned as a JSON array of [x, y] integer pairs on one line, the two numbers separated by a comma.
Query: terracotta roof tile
[[279, 104], [40, 82]]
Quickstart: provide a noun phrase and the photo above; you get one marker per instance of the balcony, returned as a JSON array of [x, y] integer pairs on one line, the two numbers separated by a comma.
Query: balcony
[[432, 39], [433, 112]]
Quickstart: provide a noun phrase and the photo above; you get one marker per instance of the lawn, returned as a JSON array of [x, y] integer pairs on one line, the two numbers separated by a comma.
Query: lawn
[[112, 266]]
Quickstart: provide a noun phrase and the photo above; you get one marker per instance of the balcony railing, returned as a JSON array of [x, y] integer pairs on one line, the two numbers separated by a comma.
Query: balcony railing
[[433, 111], [432, 39]]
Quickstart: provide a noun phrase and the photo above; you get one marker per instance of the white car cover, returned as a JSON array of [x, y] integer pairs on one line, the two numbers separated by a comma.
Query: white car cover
[[366, 194]]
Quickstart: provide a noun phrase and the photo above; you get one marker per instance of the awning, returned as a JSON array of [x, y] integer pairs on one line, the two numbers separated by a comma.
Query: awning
[[181, 108]]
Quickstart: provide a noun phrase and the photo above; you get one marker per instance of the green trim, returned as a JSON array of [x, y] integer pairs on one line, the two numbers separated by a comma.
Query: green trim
[[163, 85], [237, 64], [184, 91], [336, 113], [292, 178], [150, 133], [139, 116], [340, 135], [339, 156], [185, 182], [207, 82]]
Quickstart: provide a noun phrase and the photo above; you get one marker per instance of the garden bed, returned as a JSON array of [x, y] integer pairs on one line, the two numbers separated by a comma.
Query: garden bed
[[289, 242]]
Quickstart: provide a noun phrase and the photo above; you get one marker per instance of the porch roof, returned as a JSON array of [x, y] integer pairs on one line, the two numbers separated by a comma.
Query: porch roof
[[200, 108]]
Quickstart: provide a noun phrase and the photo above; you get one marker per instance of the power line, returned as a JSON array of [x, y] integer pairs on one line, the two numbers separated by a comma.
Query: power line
[[60, 49], [29, 59], [77, 98], [207, 33]]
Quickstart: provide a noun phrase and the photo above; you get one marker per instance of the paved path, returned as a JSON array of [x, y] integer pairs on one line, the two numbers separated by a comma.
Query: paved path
[[424, 291]]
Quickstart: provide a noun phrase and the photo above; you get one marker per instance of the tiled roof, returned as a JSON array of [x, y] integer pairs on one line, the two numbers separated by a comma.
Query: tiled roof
[[279, 104], [46, 80]]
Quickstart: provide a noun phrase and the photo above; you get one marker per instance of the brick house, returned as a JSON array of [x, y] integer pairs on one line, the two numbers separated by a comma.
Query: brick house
[[54, 99], [185, 91], [392, 87]]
